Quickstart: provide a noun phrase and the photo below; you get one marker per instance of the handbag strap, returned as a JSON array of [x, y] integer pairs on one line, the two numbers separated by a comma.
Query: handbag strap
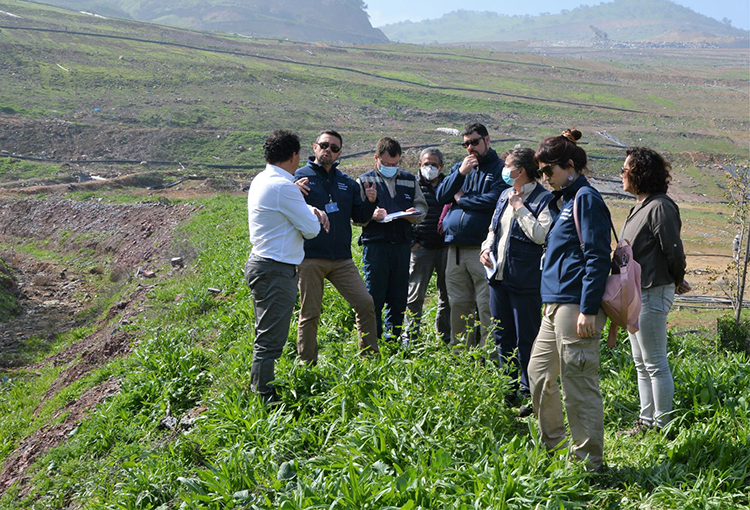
[[578, 225]]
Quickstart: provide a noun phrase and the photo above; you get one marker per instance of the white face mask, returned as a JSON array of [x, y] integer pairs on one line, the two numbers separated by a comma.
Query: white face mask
[[429, 172]]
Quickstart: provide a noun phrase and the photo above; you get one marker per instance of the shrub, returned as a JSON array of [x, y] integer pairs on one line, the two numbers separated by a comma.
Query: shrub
[[733, 336]]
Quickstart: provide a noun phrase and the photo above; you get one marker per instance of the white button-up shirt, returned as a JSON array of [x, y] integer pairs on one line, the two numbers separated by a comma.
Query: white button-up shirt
[[278, 217]]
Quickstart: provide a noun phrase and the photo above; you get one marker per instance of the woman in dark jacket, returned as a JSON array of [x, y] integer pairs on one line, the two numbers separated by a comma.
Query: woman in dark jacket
[[512, 254], [573, 280], [653, 229]]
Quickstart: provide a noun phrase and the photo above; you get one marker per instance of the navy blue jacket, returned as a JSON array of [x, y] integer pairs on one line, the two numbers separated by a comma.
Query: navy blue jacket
[[338, 187], [397, 231], [572, 273], [521, 272], [468, 220]]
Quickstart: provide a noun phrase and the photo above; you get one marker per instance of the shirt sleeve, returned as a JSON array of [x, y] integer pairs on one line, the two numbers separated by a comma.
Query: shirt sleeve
[[667, 226], [595, 222], [537, 228], [484, 201], [300, 215], [420, 204], [364, 220], [362, 208], [450, 186]]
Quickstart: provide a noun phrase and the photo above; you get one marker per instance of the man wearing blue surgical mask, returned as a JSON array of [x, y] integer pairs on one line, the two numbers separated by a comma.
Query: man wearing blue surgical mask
[[386, 238]]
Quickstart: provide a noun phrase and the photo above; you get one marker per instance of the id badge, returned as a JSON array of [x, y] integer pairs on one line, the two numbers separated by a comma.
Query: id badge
[[332, 207]]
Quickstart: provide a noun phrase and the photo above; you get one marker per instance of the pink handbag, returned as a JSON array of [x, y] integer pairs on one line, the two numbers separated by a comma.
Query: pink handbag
[[622, 294]]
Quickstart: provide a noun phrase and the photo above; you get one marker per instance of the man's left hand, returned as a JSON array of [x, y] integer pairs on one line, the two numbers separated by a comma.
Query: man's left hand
[[371, 192]]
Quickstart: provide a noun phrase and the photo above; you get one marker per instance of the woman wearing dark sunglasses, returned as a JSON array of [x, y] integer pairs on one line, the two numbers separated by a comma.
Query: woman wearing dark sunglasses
[[573, 279]]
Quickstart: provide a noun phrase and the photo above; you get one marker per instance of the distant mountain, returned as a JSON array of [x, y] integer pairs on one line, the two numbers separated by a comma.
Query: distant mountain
[[621, 20], [309, 20]]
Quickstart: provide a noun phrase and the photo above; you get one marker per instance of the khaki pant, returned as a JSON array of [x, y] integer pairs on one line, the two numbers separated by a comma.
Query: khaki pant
[[468, 291], [345, 277], [558, 350]]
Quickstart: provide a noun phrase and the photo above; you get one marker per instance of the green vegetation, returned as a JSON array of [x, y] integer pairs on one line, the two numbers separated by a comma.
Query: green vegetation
[[8, 299], [409, 429], [70, 96]]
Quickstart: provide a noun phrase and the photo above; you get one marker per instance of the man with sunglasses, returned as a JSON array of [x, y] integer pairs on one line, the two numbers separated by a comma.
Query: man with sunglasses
[[472, 189], [329, 255]]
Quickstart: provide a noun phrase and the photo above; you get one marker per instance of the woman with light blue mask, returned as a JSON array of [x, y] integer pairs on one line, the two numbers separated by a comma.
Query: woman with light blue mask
[[512, 255]]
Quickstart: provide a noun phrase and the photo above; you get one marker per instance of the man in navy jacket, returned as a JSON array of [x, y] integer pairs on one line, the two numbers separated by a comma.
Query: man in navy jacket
[[329, 255], [472, 188]]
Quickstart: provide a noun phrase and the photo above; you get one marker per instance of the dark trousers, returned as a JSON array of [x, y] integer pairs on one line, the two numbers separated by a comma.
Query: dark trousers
[[387, 277], [520, 318], [274, 289]]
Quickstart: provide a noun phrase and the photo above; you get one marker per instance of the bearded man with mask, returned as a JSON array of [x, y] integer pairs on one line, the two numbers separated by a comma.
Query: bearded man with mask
[[386, 238], [428, 253]]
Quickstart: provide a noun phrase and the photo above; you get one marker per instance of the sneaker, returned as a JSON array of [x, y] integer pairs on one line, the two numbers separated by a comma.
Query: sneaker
[[525, 410], [639, 429]]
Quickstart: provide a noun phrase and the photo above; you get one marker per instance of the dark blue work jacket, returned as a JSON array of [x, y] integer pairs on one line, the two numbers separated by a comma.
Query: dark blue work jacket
[[397, 231], [338, 188]]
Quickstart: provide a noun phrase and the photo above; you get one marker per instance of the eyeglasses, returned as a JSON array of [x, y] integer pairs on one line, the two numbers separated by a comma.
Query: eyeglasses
[[326, 145], [473, 142], [623, 170]]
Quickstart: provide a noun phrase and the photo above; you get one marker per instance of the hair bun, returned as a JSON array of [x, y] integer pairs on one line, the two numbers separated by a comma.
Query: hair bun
[[573, 135]]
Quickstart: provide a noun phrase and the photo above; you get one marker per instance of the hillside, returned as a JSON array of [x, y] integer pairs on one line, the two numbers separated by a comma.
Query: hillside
[[621, 20], [307, 20], [126, 331]]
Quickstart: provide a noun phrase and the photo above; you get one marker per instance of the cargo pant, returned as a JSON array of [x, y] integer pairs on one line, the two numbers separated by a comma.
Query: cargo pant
[[558, 350]]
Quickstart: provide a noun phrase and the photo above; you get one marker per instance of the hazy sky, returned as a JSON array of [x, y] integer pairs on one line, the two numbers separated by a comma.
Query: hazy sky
[[383, 12]]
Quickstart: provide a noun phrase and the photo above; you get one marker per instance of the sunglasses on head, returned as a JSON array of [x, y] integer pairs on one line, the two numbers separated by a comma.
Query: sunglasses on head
[[326, 145], [473, 142]]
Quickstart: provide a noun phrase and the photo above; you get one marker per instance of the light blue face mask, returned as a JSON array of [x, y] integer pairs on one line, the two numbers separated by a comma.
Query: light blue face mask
[[388, 171], [506, 176]]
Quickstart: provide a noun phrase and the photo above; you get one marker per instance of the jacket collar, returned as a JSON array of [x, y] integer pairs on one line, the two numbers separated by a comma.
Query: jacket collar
[[570, 191], [319, 168]]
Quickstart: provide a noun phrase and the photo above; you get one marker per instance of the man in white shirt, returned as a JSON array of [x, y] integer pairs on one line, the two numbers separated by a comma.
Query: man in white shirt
[[279, 222]]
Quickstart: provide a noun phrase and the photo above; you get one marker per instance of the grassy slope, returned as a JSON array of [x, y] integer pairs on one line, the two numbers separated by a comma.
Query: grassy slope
[[160, 102], [413, 429], [418, 426], [630, 20]]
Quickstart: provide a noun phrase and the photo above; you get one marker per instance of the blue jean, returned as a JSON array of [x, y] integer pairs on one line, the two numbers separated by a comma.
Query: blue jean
[[386, 268], [655, 384]]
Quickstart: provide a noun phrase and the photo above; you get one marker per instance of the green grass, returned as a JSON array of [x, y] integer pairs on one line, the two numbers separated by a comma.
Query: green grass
[[8, 301], [409, 429]]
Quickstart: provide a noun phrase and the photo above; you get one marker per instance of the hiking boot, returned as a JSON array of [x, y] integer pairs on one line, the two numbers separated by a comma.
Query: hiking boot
[[525, 410], [639, 429]]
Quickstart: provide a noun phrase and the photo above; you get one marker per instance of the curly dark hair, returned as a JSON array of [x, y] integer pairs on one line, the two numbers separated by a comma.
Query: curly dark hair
[[523, 157], [561, 149], [648, 172], [280, 146]]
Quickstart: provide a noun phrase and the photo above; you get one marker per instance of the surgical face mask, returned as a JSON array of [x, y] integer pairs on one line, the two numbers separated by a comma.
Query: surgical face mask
[[507, 178], [429, 172], [388, 171]]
